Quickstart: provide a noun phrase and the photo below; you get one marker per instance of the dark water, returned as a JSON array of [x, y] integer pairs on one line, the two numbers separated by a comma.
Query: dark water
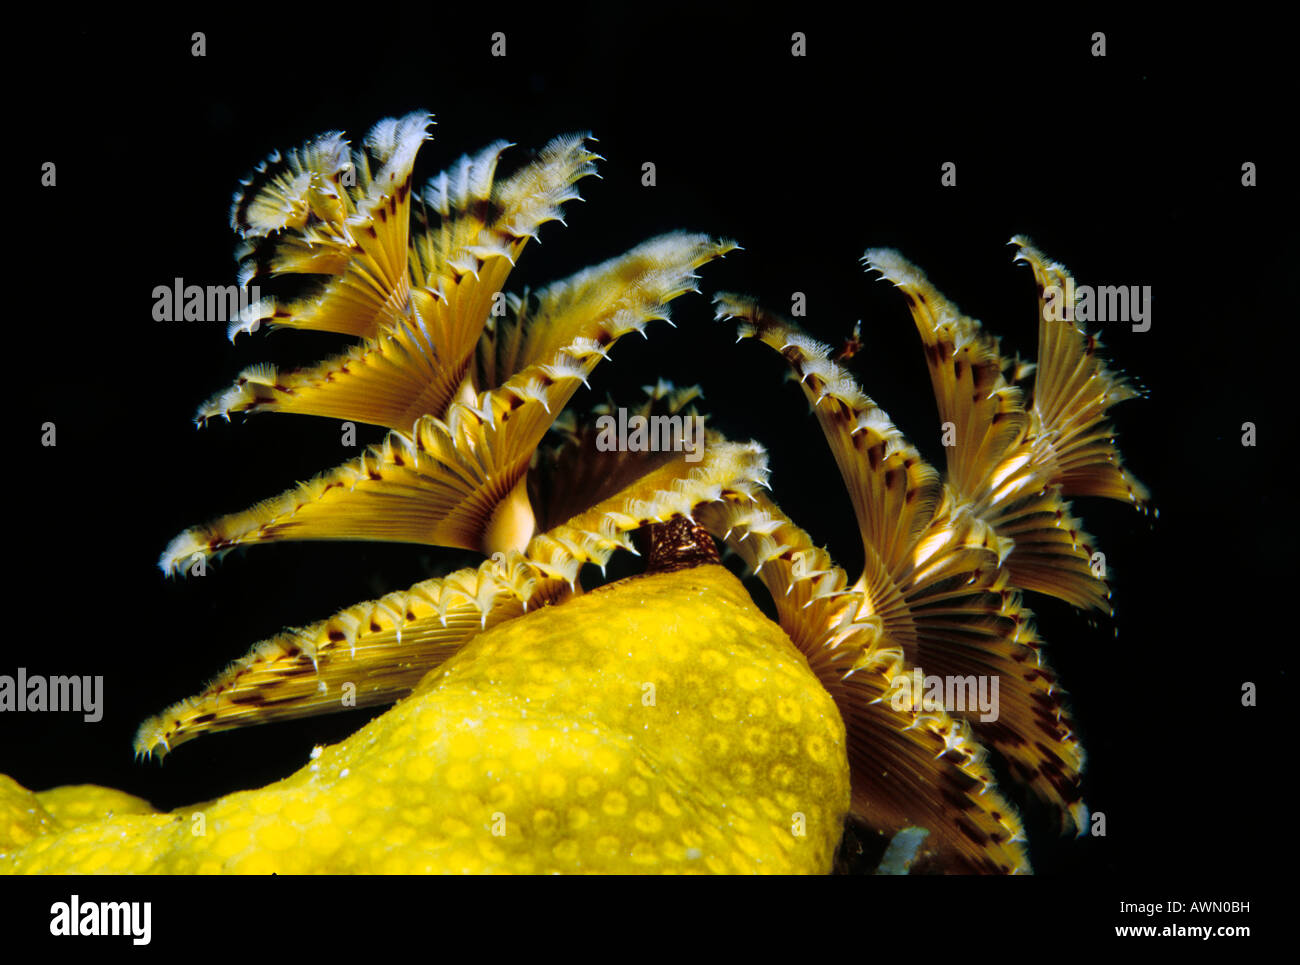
[[1127, 170]]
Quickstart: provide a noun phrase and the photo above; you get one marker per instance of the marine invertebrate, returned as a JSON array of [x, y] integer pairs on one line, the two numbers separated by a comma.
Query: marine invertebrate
[[660, 721]]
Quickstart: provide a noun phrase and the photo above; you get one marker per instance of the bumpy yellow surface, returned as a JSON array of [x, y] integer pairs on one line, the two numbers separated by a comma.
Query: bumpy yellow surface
[[658, 724]]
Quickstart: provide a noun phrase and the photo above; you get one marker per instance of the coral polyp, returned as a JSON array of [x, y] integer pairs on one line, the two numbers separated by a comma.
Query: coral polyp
[[660, 722]]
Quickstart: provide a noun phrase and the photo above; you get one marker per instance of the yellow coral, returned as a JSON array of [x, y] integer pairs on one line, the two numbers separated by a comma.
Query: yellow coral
[[22, 817], [661, 723]]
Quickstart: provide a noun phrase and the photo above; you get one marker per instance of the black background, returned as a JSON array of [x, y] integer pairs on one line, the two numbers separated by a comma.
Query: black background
[[1126, 168]]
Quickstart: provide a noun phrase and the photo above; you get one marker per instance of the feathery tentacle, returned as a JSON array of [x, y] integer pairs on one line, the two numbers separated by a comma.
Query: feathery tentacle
[[934, 577]]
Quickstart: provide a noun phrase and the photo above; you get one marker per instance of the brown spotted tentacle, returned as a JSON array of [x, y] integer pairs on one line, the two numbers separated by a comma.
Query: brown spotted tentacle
[[935, 579], [383, 647], [460, 480], [417, 280], [900, 752], [367, 655]]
